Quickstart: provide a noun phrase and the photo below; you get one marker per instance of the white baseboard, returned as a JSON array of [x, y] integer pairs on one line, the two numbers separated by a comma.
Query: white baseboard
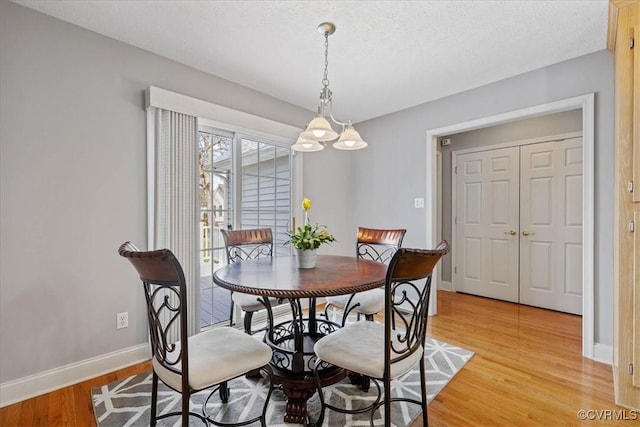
[[445, 286], [54, 379], [603, 353], [34, 385]]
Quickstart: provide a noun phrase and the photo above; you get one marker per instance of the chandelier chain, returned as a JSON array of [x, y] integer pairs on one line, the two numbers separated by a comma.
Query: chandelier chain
[[325, 79]]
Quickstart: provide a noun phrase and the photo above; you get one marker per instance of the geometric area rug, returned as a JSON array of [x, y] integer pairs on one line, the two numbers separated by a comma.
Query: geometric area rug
[[127, 402]]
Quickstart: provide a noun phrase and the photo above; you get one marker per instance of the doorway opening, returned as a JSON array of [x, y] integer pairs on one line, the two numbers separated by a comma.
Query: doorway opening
[[585, 103]]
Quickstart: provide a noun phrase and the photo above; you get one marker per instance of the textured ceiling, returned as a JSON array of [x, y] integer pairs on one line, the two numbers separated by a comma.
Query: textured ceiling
[[385, 55]]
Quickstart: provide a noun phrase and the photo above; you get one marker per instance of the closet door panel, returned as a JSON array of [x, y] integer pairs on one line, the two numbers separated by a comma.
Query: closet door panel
[[487, 223], [551, 225]]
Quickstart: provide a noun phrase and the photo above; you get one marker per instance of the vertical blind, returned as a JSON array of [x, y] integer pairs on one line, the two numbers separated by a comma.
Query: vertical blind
[[175, 197]]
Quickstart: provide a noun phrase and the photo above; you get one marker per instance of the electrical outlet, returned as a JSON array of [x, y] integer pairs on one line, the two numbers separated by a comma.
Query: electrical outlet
[[418, 203], [122, 320]]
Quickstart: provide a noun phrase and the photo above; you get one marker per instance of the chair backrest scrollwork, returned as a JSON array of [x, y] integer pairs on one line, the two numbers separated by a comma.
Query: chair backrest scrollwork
[[377, 244], [165, 294], [242, 245], [406, 301]]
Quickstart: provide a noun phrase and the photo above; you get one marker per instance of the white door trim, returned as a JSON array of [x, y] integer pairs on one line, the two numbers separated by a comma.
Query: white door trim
[[586, 104]]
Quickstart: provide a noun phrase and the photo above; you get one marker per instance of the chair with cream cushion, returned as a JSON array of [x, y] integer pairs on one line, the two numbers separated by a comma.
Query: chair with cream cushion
[[384, 351], [377, 245], [190, 364], [242, 245]]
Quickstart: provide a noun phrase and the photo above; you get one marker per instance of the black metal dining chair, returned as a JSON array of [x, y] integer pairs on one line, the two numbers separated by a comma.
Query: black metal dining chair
[[188, 364], [242, 245], [385, 351], [376, 245]]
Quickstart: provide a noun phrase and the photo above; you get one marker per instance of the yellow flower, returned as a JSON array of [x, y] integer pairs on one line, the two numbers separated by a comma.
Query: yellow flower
[[309, 236], [306, 204]]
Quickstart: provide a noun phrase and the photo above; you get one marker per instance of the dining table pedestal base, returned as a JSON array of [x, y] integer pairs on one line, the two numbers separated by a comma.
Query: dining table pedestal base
[[299, 390]]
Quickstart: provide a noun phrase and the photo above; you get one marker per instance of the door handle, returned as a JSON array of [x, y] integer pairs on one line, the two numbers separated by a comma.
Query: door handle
[[528, 233], [512, 232]]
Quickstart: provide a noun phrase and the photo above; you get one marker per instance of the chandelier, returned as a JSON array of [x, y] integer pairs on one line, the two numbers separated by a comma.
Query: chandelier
[[319, 131]]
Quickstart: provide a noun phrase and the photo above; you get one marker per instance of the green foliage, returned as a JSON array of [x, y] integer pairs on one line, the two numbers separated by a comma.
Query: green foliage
[[310, 236]]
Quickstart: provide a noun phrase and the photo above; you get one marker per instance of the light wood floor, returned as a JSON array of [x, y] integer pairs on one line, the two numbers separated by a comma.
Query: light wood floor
[[527, 370]]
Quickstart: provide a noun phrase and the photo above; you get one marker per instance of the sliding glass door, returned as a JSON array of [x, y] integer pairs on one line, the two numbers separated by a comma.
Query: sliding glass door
[[245, 182]]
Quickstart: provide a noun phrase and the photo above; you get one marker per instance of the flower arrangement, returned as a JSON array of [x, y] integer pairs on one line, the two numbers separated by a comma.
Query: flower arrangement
[[309, 237]]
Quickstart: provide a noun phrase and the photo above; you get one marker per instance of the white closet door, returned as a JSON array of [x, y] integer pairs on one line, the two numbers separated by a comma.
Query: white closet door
[[551, 225], [487, 223]]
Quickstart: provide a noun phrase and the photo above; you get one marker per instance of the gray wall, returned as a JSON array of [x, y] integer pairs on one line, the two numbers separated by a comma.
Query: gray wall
[[552, 124], [391, 172], [328, 182], [72, 174]]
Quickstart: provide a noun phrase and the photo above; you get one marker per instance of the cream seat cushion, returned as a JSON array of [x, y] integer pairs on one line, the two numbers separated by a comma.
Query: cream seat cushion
[[359, 347], [338, 300], [249, 302], [371, 302], [215, 356]]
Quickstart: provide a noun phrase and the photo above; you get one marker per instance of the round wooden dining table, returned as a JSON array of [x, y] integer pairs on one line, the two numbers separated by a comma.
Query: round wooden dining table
[[292, 340]]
